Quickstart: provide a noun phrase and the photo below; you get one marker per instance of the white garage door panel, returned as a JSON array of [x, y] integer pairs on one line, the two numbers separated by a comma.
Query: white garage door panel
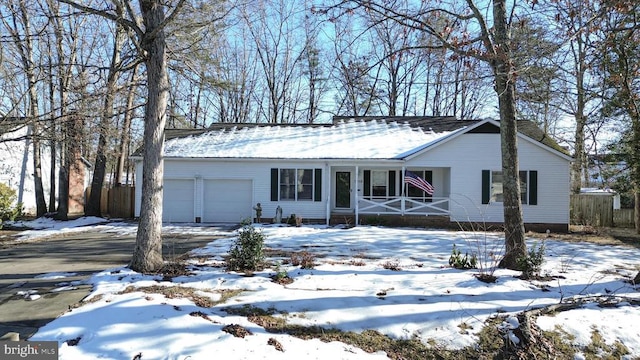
[[178, 201], [227, 200]]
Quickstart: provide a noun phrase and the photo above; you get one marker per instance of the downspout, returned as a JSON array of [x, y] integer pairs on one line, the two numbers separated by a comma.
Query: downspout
[[356, 197]]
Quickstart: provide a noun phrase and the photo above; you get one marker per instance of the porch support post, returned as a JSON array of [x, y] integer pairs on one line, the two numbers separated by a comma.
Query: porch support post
[[327, 180], [402, 202], [357, 208]]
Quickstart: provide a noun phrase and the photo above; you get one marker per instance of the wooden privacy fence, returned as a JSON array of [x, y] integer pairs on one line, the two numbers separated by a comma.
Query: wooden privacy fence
[[597, 210], [121, 201], [117, 202], [624, 218], [594, 210]]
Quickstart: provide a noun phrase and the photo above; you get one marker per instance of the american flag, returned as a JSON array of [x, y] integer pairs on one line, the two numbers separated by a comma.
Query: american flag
[[417, 181]]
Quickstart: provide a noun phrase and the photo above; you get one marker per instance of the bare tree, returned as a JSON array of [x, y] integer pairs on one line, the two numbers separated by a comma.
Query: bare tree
[[19, 27], [355, 72], [69, 73], [576, 24], [237, 76], [105, 125], [620, 63], [125, 134], [149, 26], [273, 31], [312, 68], [468, 32]]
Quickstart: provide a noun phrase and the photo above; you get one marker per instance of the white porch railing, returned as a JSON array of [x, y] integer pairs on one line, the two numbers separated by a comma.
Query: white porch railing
[[403, 206]]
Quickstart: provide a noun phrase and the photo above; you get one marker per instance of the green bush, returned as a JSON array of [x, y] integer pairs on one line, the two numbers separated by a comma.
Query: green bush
[[246, 253], [8, 211], [531, 263], [458, 261]]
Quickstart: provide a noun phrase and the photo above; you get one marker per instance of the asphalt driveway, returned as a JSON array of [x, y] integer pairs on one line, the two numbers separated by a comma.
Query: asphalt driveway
[[30, 271]]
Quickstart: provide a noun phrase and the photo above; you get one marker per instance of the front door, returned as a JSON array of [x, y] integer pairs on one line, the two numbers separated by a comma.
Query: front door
[[343, 189]]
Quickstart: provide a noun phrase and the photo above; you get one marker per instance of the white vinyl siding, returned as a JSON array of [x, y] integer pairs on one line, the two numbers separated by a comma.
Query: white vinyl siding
[[469, 154], [258, 172]]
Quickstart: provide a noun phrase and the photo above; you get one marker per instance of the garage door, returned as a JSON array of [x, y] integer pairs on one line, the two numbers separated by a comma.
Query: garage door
[[178, 201], [227, 200]]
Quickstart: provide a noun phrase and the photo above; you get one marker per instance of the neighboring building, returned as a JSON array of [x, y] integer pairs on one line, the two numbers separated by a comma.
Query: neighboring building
[[603, 192], [16, 170], [353, 170]]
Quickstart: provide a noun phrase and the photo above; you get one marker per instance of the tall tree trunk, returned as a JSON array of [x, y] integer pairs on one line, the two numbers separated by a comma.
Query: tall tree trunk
[[125, 140], [41, 205], [634, 112], [503, 68], [26, 54], [67, 120], [147, 255], [100, 165], [579, 161], [62, 211], [52, 138]]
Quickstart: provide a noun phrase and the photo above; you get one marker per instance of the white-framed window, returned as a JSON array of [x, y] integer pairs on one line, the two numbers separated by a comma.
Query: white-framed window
[[296, 184], [497, 191], [416, 193], [379, 183]]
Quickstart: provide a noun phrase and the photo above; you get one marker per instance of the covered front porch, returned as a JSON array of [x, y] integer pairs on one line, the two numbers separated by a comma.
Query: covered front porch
[[381, 190]]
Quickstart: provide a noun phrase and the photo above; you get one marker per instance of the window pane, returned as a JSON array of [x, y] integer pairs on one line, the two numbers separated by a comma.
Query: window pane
[[296, 184], [287, 184], [413, 191], [305, 184], [496, 186], [523, 186], [379, 183]]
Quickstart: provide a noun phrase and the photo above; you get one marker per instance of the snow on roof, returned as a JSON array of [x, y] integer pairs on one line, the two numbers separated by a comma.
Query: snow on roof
[[597, 191], [343, 140]]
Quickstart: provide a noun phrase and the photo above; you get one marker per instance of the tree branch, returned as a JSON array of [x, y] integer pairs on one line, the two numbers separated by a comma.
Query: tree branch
[[108, 15]]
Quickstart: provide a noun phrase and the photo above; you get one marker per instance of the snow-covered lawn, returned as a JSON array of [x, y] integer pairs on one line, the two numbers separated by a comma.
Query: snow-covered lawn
[[395, 281]]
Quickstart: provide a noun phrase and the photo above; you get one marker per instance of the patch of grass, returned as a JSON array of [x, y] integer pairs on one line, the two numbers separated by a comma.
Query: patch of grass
[[546, 345], [391, 265], [490, 345], [174, 268], [179, 292], [599, 349], [83, 302], [369, 340], [464, 328], [304, 259]]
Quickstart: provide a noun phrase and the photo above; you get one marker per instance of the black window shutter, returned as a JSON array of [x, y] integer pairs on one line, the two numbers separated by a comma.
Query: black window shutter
[[392, 183], [367, 183], [533, 187], [486, 186], [317, 194], [274, 184]]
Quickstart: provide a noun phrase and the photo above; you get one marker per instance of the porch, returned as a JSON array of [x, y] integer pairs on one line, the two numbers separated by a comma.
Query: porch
[[381, 191], [403, 205]]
